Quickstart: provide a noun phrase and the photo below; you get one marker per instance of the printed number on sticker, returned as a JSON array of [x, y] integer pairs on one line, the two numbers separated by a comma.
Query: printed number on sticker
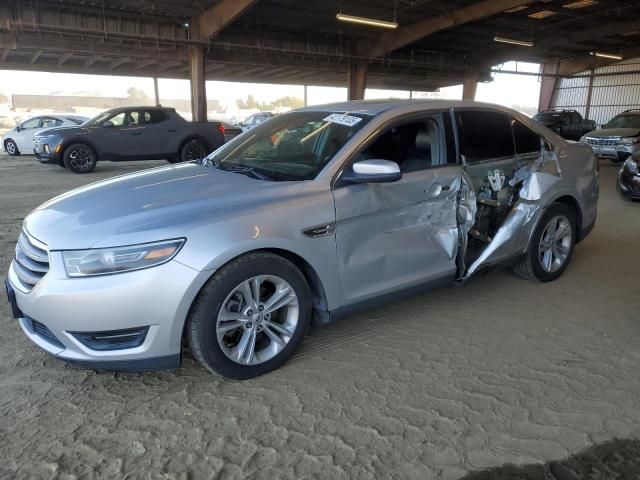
[[343, 119]]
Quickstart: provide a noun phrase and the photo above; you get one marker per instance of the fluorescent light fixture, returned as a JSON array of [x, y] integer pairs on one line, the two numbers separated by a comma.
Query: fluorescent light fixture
[[607, 55], [579, 4], [371, 22], [516, 9], [512, 41], [542, 14]]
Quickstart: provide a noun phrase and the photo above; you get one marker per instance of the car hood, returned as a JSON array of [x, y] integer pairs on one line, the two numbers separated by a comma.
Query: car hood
[[614, 132], [63, 131], [150, 205]]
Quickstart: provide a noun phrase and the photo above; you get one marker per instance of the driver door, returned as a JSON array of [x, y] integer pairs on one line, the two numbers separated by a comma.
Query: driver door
[[121, 135], [24, 138], [393, 236]]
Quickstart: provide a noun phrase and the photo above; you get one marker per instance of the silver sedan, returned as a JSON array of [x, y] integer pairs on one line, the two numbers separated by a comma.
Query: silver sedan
[[310, 216]]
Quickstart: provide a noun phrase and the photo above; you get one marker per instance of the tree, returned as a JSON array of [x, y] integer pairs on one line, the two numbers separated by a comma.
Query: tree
[[137, 95]]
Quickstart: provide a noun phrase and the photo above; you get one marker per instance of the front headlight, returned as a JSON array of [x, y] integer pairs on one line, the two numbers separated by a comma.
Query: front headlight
[[583, 139], [629, 140], [102, 261], [631, 166]]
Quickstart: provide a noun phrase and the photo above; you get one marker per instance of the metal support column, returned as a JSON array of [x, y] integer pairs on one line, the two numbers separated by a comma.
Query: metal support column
[[587, 109], [305, 95], [198, 86], [357, 79], [547, 86], [155, 91], [470, 86]]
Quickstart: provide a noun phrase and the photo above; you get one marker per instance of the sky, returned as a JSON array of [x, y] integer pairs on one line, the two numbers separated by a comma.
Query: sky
[[506, 89]]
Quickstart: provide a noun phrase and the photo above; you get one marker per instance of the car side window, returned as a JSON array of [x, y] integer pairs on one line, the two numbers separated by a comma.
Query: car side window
[[153, 116], [527, 140], [414, 146], [484, 135], [50, 122], [29, 124], [124, 119]]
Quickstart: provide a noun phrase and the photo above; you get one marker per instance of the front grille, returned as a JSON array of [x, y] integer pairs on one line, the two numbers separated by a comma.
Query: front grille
[[43, 332], [31, 261], [603, 141]]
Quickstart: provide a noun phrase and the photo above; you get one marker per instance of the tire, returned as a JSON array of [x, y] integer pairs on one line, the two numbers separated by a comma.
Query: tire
[[546, 267], [80, 158], [193, 149], [216, 333], [11, 148]]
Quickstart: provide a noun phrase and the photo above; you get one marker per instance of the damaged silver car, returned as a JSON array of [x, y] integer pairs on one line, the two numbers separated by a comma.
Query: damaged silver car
[[311, 215]]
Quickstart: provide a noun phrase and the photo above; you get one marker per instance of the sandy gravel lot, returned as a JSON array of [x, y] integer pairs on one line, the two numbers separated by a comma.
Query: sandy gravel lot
[[441, 385]]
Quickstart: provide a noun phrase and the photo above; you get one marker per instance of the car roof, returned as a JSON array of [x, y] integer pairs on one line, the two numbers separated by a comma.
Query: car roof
[[376, 107]]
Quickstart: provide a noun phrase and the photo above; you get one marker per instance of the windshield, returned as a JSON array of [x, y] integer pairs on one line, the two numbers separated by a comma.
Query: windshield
[[97, 120], [292, 146], [624, 121], [548, 117]]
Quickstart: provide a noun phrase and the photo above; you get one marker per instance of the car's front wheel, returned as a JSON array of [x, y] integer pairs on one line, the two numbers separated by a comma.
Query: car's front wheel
[[11, 148], [551, 246], [80, 158], [250, 317]]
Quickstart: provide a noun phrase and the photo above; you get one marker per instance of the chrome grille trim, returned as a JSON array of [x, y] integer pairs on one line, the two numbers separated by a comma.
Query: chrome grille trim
[[31, 261], [603, 141]]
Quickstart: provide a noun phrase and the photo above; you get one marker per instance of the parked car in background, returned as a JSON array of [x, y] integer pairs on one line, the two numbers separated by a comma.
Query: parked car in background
[[229, 131], [131, 133], [568, 124], [618, 139], [628, 184], [254, 120], [317, 213], [20, 139]]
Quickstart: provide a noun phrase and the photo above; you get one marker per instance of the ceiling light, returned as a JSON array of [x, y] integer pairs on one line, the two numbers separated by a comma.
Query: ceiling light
[[579, 4], [372, 22], [607, 55], [516, 9], [511, 41], [542, 14]]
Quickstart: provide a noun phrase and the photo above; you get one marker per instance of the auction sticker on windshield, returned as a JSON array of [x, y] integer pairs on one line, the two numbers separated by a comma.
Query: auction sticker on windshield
[[342, 119]]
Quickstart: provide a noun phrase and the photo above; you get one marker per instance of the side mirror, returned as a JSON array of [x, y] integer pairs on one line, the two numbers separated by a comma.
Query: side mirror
[[373, 171], [107, 124], [18, 128]]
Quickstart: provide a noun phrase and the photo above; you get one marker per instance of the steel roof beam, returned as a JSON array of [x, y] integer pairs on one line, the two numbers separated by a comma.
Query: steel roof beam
[[215, 19], [406, 35]]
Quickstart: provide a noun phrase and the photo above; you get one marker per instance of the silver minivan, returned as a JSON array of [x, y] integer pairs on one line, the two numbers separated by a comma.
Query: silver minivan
[[310, 216]]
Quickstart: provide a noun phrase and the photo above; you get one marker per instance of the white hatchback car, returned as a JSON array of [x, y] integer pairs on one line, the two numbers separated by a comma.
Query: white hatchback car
[[20, 139]]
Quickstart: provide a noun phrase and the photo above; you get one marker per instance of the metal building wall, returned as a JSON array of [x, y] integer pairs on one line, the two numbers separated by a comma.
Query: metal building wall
[[613, 91]]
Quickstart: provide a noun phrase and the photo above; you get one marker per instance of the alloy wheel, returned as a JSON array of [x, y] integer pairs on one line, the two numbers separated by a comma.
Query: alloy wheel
[[11, 148], [257, 319], [555, 244], [196, 151], [80, 158]]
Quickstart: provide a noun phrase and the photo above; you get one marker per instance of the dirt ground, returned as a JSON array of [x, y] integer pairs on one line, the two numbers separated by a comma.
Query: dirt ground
[[441, 385]]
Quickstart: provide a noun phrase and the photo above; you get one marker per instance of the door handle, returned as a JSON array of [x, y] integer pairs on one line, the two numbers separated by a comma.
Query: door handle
[[137, 133], [173, 130]]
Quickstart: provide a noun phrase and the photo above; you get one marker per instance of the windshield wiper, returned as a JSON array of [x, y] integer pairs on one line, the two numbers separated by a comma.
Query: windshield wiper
[[246, 170]]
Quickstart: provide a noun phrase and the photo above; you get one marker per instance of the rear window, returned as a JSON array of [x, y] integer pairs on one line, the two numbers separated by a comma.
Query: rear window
[[77, 121], [484, 135]]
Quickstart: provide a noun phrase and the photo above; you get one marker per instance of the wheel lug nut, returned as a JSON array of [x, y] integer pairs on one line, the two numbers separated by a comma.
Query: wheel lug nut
[[249, 325], [259, 328], [261, 307], [250, 312]]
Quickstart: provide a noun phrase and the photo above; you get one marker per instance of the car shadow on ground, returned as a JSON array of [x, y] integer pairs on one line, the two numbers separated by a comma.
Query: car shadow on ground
[[615, 459]]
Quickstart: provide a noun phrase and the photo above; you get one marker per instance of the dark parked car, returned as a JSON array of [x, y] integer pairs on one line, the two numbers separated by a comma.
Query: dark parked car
[[131, 133], [629, 178], [568, 124]]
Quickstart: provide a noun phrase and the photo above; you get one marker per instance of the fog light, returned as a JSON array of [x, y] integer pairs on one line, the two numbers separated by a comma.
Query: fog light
[[113, 339]]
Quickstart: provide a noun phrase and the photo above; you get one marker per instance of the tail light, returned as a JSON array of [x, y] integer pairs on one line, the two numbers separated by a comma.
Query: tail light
[[221, 128]]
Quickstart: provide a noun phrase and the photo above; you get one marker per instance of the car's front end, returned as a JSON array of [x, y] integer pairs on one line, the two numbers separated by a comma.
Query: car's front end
[[618, 139], [107, 308], [629, 179], [47, 146]]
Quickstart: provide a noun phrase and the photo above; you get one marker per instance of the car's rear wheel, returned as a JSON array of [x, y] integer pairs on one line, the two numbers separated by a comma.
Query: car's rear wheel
[[193, 150], [551, 246], [80, 158], [250, 317], [11, 148]]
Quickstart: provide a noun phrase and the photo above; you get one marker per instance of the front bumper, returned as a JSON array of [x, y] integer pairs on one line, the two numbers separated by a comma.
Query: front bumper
[[617, 153], [629, 184], [158, 298], [47, 149]]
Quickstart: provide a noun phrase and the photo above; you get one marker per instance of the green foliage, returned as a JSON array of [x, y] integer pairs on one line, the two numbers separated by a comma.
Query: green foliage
[[288, 101]]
